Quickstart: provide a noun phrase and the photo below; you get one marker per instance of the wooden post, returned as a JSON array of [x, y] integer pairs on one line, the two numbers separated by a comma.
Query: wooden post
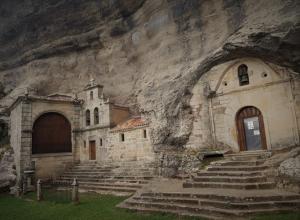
[[39, 193], [75, 197]]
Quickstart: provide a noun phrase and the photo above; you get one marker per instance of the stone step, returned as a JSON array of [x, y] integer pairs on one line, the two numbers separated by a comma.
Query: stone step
[[98, 180], [133, 173], [263, 153], [238, 199], [110, 177], [206, 210], [120, 185], [136, 168], [222, 204], [100, 174], [236, 168], [97, 165], [248, 155], [86, 176], [107, 188], [86, 173], [162, 210], [253, 179], [238, 163], [252, 205], [248, 186], [230, 173], [88, 162], [86, 169], [178, 200], [168, 207], [132, 167]]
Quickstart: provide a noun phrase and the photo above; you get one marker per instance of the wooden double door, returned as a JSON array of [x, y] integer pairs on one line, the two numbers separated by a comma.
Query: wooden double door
[[251, 130]]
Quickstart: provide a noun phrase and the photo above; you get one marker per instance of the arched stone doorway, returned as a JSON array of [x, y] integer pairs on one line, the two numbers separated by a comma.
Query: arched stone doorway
[[51, 134], [251, 130]]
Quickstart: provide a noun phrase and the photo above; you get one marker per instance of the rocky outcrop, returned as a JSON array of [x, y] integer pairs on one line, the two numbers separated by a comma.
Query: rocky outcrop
[[288, 176], [284, 168], [7, 170], [291, 167], [148, 54]]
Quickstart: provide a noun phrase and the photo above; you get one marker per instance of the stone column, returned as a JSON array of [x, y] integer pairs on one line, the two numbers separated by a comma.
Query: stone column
[[75, 197]]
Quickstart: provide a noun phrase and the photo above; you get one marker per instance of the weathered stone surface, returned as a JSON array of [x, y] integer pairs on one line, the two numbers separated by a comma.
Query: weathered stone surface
[[290, 167], [7, 171], [148, 54]]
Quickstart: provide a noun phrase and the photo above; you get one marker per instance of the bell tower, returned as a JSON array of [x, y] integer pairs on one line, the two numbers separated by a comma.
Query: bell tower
[[94, 91]]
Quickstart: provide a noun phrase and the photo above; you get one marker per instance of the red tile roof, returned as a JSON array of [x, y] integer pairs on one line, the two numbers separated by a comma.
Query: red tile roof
[[132, 123]]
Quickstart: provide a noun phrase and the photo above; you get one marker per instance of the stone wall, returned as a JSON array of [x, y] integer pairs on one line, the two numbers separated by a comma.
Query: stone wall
[[104, 108], [23, 116], [21, 136], [15, 138], [296, 93], [266, 82], [50, 166], [134, 147], [82, 142]]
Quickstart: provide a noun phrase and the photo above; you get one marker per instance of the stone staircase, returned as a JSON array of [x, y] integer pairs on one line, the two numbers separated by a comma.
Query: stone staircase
[[121, 179], [212, 206], [233, 188], [238, 171]]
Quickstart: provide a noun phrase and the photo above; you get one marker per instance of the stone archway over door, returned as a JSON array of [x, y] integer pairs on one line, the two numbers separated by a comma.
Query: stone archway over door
[[251, 130]]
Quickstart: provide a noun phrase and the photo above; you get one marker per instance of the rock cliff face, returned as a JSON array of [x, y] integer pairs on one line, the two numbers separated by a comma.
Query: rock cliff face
[[147, 53]]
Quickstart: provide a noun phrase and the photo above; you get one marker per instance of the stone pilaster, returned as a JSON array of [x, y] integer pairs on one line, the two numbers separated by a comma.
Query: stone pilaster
[[26, 136], [76, 127]]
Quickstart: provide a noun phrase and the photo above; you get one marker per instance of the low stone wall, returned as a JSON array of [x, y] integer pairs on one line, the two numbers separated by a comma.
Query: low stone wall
[[50, 166]]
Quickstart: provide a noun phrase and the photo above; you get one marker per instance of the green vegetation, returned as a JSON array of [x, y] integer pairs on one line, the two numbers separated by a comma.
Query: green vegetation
[[287, 216], [92, 206]]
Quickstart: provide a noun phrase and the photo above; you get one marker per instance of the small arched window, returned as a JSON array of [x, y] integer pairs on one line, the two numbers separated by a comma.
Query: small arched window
[[88, 118], [96, 116], [243, 75], [91, 95]]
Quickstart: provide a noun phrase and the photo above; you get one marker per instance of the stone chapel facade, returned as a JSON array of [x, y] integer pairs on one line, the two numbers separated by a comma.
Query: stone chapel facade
[[244, 104], [50, 134]]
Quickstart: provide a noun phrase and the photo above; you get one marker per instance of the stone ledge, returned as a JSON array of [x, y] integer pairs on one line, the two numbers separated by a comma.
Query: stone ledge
[[51, 155]]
